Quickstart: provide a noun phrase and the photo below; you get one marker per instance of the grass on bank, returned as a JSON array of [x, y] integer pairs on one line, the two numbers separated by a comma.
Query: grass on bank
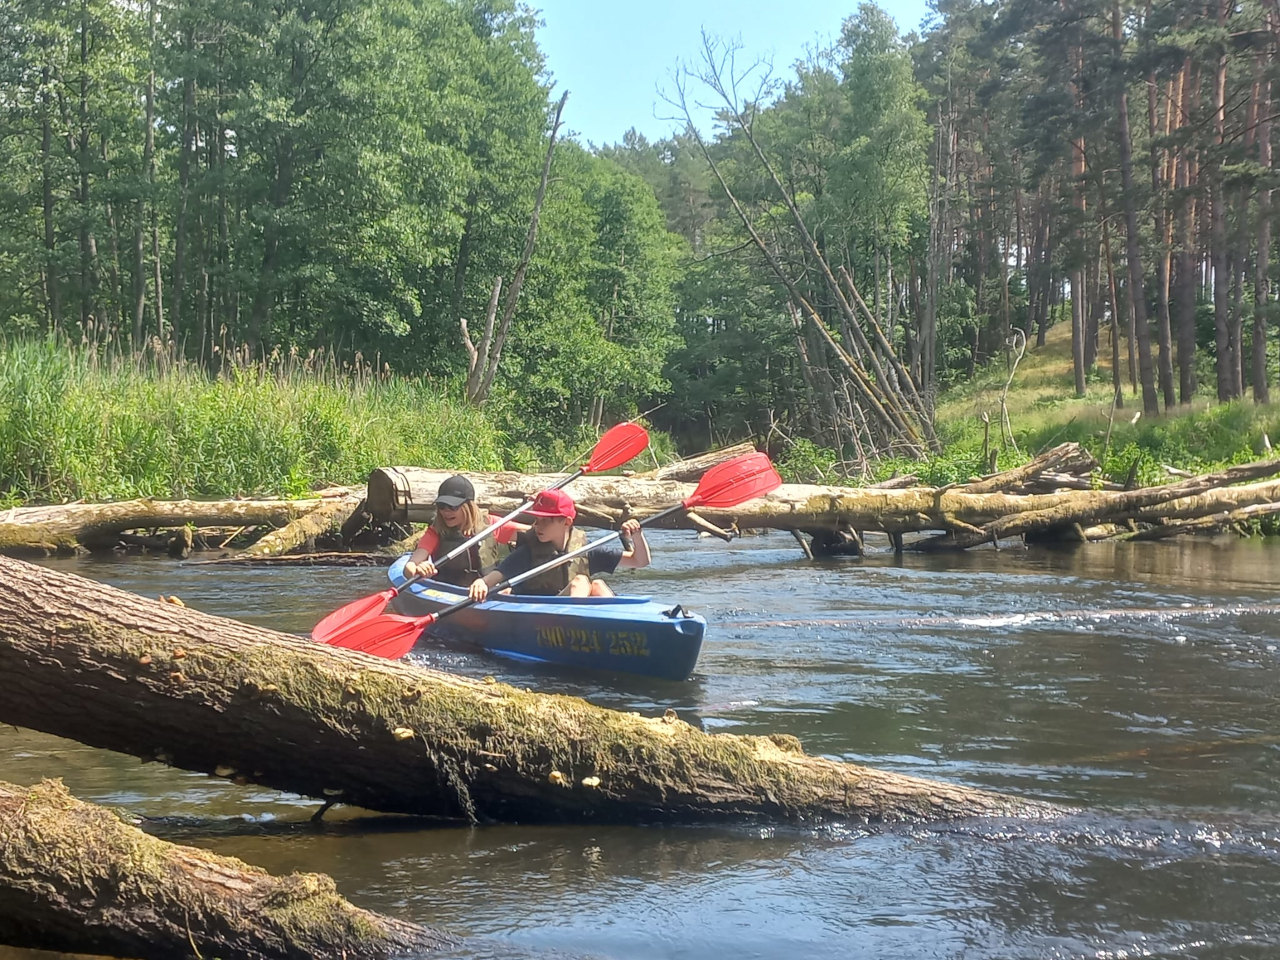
[[76, 426], [1043, 411]]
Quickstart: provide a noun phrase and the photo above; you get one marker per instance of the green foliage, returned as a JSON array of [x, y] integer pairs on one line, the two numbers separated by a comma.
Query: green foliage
[[73, 426], [806, 462]]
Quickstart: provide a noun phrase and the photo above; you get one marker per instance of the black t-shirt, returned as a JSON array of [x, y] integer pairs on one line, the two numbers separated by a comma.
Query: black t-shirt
[[603, 559]]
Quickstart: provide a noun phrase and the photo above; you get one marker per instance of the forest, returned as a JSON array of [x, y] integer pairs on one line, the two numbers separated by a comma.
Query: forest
[[384, 186]]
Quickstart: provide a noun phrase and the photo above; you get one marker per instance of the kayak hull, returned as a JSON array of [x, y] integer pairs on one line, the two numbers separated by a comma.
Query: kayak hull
[[619, 634]]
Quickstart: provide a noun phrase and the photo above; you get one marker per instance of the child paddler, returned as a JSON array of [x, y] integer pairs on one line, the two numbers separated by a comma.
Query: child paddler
[[458, 518], [554, 535]]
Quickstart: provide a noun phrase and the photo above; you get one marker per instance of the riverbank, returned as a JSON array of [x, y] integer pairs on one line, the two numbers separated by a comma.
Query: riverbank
[[75, 426], [1030, 407], [1043, 411]]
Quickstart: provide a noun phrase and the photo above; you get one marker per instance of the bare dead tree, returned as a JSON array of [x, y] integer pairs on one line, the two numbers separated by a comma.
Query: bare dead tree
[[890, 396], [483, 363]]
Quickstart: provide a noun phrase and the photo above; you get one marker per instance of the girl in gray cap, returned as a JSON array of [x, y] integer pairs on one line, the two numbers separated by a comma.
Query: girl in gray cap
[[458, 518]]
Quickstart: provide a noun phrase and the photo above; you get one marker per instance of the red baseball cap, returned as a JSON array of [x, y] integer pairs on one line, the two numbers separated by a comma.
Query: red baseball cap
[[552, 503]]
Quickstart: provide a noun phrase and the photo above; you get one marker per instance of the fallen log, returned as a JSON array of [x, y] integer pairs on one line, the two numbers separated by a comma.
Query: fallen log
[[1218, 500], [406, 494], [1206, 524], [327, 558], [163, 682], [69, 528], [1095, 506], [328, 516], [1066, 458], [76, 877]]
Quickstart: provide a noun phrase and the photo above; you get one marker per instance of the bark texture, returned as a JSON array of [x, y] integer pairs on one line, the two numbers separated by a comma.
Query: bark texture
[[163, 682], [76, 877]]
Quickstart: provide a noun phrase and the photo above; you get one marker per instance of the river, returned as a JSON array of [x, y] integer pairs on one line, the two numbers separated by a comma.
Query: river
[[1134, 683]]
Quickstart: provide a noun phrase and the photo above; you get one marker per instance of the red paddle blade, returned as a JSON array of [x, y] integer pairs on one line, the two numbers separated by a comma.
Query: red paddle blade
[[618, 445], [735, 481], [351, 614], [389, 635]]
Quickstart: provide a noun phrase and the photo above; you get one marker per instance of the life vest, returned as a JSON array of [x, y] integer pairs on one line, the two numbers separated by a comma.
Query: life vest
[[553, 581], [478, 559]]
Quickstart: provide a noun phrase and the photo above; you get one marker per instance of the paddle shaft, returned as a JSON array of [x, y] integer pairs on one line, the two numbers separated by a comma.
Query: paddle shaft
[[549, 565]]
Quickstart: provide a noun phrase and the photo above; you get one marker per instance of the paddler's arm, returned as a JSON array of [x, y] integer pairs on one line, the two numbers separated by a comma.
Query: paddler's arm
[[638, 554]]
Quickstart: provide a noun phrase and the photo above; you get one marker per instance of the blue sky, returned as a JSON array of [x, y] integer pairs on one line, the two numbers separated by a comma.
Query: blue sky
[[612, 57]]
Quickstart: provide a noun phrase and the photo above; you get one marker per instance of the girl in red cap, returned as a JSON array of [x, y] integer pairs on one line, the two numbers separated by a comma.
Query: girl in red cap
[[458, 518], [554, 535]]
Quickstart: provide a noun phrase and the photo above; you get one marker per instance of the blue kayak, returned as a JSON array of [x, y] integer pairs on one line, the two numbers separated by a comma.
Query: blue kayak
[[620, 634]]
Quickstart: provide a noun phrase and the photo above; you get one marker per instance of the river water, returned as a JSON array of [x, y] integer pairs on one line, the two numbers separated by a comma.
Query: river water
[[1135, 683]]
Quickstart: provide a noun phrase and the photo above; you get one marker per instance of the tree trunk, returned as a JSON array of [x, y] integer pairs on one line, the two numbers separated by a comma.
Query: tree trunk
[[1262, 257], [1226, 360], [77, 877], [1185, 260], [53, 304], [1137, 279], [494, 358], [203, 693], [1163, 225], [186, 150], [149, 163], [1075, 66]]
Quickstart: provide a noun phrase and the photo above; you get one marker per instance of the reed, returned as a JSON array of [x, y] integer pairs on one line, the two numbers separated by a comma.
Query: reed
[[83, 423]]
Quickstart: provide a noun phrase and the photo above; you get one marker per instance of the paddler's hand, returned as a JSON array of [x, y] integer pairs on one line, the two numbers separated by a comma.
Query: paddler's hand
[[627, 533], [478, 590], [424, 569]]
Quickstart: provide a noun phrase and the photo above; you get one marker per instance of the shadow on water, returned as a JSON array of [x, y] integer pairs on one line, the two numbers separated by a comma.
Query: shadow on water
[[1133, 683]]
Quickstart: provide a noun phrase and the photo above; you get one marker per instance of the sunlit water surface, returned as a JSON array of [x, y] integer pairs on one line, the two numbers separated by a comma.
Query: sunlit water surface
[[1134, 683]]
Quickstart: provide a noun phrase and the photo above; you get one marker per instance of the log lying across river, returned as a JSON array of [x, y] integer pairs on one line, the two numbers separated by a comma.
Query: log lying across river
[[166, 683], [1056, 496], [1034, 499], [76, 877]]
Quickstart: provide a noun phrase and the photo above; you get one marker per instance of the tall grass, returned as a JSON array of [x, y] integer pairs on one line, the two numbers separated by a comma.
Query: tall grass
[[76, 425]]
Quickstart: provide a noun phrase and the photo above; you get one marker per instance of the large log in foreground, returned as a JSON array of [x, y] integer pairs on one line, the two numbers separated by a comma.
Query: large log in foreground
[[965, 515], [74, 876], [163, 682]]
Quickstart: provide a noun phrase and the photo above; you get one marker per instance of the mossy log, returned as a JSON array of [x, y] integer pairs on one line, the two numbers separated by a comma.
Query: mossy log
[[42, 531], [966, 518], [328, 516], [163, 682], [1206, 524], [76, 877]]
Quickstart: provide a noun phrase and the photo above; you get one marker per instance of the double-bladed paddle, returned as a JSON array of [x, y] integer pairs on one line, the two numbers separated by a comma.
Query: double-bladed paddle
[[618, 445], [725, 485]]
